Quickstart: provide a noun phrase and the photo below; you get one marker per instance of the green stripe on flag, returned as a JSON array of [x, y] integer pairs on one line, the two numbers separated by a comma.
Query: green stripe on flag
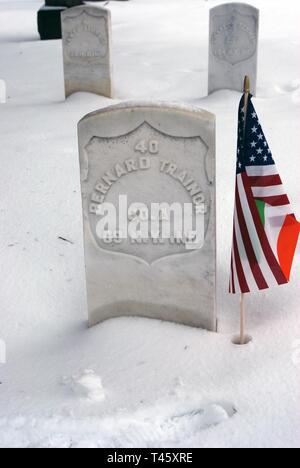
[[261, 209]]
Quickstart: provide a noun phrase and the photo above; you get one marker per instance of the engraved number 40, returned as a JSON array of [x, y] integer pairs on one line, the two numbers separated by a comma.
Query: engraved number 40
[[144, 147]]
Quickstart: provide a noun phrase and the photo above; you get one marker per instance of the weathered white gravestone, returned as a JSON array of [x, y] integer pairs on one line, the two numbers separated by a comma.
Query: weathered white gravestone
[[2, 352], [2, 92], [147, 171], [233, 46], [86, 32]]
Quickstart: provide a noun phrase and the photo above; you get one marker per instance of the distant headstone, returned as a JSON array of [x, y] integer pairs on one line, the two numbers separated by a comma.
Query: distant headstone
[[148, 191], [2, 92], [2, 352], [233, 46], [49, 22], [86, 34]]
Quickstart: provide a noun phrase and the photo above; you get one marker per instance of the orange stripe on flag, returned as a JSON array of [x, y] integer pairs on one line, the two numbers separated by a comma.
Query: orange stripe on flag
[[287, 244]]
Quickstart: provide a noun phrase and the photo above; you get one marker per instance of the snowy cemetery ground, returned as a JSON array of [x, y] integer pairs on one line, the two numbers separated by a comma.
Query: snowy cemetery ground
[[136, 382]]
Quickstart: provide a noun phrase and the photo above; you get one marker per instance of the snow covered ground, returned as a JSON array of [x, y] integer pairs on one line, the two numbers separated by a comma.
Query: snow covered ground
[[136, 382]]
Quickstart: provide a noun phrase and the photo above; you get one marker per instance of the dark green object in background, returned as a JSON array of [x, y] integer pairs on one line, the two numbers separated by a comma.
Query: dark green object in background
[[63, 3], [49, 22]]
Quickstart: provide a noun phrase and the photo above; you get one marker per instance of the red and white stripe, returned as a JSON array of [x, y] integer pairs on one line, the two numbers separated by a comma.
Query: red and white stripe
[[254, 264]]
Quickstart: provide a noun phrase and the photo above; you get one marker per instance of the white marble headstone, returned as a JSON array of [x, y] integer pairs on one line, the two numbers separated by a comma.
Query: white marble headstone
[[2, 92], [233, 46], [149, 153], [86, 32]]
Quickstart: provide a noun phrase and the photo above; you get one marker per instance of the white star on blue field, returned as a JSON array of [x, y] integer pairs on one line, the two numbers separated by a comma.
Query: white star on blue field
[[253, 148]]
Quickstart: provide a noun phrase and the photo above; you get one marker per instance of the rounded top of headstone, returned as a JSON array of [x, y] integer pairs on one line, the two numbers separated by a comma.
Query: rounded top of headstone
[[76, 11], [129, 106], [235, 5]]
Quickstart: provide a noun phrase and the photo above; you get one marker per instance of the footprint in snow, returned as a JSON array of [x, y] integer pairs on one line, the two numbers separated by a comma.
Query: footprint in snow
[[86, 385], [156, 430]]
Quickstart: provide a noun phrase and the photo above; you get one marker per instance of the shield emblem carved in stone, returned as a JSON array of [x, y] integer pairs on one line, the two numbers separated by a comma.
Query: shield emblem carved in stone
[[234, 39], [147, 166], [86, 37]]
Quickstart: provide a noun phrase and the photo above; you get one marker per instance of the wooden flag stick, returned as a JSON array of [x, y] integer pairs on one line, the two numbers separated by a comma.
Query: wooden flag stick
[[247, 94], [242, 305]]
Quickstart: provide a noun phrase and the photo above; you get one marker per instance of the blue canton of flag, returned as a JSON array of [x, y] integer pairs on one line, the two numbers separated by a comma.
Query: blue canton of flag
[[253, 148]]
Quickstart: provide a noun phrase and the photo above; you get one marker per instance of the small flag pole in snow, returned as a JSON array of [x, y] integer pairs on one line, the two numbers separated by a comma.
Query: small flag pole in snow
[[242, 304], [266, 231]]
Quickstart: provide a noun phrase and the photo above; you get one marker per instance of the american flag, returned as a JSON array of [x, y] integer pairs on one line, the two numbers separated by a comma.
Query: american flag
[[266, 231]]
